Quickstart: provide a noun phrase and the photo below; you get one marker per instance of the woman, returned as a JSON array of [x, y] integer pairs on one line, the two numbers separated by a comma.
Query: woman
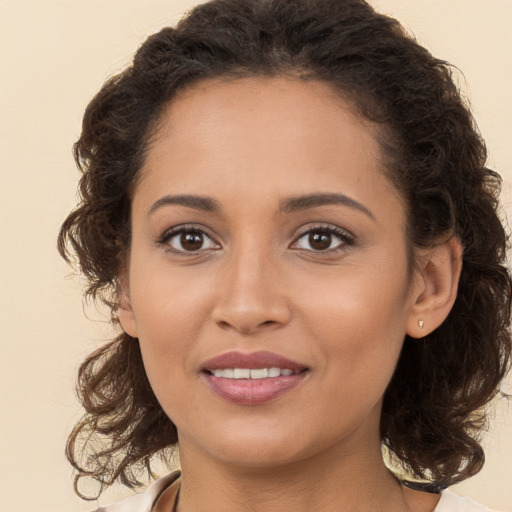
[[287, 208]]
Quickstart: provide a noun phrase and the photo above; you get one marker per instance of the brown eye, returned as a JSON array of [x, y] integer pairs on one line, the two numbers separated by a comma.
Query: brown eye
[[191, 241], [188, 240], [324, 239], [320, 241]]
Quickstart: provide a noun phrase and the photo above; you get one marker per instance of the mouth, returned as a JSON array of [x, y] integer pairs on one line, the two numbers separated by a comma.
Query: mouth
[[252, 379], [253, 373]]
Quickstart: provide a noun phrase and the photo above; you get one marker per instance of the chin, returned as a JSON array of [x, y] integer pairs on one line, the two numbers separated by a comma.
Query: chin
[[264, 448]]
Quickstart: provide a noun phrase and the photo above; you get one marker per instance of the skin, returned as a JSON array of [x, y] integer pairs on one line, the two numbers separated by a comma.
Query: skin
[[255, 283]]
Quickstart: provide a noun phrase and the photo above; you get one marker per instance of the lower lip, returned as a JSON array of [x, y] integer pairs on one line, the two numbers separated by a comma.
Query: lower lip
[[253, 391]]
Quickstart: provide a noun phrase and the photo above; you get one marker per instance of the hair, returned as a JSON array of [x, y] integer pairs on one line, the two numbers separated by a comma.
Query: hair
[[434, 408]]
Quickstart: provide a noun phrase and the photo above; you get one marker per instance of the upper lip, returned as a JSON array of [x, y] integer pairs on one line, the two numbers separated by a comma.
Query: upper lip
[[254, 360]]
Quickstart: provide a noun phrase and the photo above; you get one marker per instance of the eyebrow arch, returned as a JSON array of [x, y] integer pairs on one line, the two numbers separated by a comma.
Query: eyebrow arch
[[321, 199], [287, 206], [191, 201]]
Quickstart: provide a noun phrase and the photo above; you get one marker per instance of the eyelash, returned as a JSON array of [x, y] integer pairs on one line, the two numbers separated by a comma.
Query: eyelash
[[346, 239], [165, 239]]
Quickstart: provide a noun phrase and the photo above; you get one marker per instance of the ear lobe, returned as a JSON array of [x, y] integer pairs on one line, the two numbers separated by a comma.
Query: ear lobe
[[437, 279], [126, 315]]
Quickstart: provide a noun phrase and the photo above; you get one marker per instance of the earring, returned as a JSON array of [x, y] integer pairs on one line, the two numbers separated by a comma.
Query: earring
[[420, 324]]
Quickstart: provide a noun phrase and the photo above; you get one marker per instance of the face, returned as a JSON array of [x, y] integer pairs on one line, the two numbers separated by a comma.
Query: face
[[268, 277]]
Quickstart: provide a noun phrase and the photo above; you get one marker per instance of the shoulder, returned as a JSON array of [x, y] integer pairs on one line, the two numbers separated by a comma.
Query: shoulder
[[450, 502], [142, 502]]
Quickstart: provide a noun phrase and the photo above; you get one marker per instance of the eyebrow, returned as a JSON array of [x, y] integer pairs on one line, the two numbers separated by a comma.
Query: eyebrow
[[290, 205], [321, 199], [205, 204]]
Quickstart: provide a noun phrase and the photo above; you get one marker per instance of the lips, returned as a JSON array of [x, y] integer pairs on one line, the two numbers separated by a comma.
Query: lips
[[252, 379]]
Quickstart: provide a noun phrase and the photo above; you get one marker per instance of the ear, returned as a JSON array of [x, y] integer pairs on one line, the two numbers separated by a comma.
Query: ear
[[435, 287], [125, 312]]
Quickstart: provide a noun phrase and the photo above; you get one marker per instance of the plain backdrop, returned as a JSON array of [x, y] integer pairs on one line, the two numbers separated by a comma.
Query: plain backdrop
[[54, 55]]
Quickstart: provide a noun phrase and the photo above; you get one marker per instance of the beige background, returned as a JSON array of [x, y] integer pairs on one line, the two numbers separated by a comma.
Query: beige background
[[54, 55]]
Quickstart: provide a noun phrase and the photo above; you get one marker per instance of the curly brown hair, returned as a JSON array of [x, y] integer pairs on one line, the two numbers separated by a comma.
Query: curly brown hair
[[434, 408]]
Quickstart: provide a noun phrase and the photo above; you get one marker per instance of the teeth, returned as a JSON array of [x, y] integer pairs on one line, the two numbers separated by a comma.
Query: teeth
[[274, 372], [241, 373], [256, 373], [261, 373], [227, 374]]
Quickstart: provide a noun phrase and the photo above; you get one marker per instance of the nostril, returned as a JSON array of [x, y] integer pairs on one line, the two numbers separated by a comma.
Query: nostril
[[250, 317], [246, 328]]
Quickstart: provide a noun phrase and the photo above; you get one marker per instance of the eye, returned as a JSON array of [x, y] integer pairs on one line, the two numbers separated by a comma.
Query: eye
[[185, 239], [323, 239]]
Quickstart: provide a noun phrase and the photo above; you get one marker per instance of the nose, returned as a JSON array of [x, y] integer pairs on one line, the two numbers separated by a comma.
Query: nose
[[251, 294]]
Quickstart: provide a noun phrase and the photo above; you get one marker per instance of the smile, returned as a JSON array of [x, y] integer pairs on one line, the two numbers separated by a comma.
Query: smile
[[252, 378], [255, 373]]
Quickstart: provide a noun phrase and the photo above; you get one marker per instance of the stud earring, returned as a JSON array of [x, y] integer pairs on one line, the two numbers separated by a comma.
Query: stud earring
[[420, 324]]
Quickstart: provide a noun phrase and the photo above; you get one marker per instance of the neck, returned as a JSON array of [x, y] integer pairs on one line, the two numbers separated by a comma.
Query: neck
[[331, 481]]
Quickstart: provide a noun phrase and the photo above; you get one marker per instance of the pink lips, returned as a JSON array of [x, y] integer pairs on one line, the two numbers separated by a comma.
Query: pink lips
[[249, 391]]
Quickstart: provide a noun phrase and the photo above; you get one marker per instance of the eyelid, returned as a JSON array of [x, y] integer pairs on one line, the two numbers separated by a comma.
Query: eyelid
[[347, 238], [168, 234]]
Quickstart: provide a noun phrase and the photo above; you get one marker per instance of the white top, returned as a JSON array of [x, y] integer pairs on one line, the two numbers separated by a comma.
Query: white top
[[145, 501], [450, 502]]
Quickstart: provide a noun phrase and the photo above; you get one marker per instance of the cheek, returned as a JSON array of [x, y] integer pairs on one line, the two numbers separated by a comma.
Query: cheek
[[358, 322], [171, 311], [354, 301], [166, 300]]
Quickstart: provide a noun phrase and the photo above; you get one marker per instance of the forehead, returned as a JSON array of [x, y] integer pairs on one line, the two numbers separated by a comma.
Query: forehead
[[280, 109], [259, 135]]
